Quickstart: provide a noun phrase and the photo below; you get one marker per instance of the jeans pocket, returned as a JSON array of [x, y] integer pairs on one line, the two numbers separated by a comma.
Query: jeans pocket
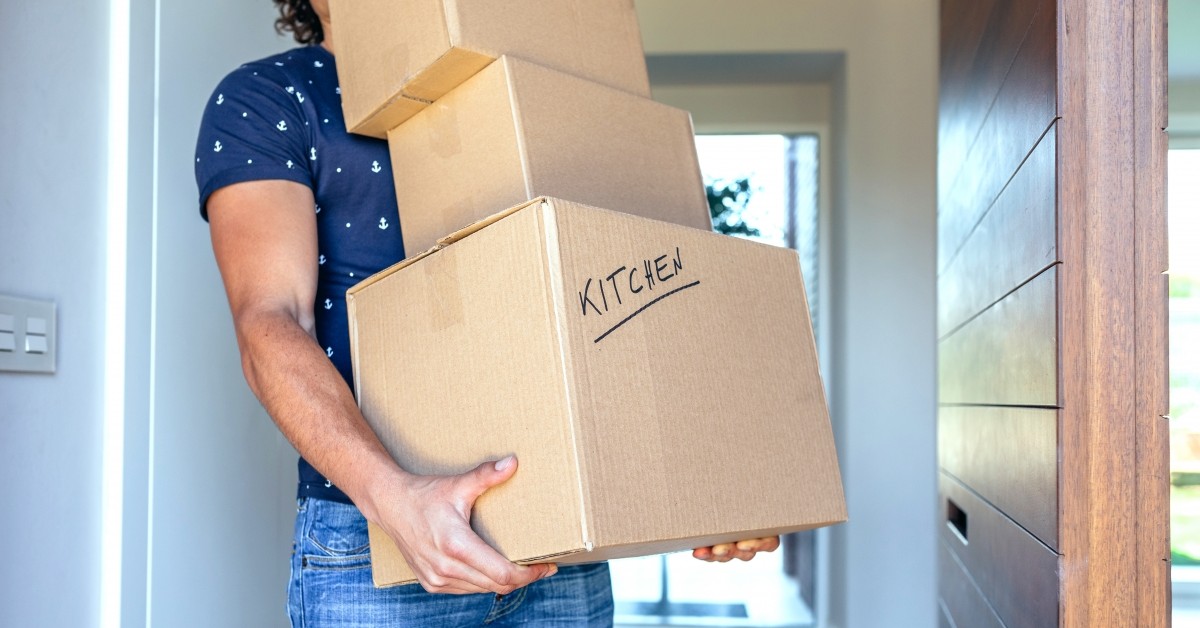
[[336, 537]]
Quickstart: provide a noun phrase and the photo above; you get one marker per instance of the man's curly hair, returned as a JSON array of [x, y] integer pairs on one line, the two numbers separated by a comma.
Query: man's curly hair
[[298, 17]]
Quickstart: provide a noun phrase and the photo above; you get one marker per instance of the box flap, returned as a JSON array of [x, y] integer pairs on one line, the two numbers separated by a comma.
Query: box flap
[[480, 224]]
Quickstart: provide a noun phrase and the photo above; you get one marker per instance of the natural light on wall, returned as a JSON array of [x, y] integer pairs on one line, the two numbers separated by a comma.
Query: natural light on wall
[[112, 473]]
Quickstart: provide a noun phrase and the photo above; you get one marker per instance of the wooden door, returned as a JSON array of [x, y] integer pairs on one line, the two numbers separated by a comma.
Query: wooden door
[[1053, 449]]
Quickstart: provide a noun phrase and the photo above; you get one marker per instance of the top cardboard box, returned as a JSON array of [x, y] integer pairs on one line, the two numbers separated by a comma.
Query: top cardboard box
[[658, 384], [397, 56]]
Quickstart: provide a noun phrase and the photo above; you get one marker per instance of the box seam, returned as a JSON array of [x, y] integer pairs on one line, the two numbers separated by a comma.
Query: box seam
[[352, 316], [552, 252], [515, 107], [453, 27]]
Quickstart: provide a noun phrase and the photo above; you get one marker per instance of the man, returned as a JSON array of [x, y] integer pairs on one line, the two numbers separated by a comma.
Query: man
[[299, 211]]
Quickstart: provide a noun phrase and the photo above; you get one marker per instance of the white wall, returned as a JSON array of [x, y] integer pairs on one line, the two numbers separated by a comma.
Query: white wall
[[883, 282], [223, 480], [753, 108], [52, 206], [220, 480]]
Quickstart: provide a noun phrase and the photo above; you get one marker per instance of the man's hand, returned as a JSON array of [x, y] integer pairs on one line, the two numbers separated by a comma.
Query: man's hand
[[742, 550], [429, 517]]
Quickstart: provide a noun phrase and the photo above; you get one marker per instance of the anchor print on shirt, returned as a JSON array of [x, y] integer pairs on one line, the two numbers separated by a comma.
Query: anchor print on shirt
[[328, 304], [220, 99], [383, 223], [375, 167], [329, 351], [299, 96], [312, 154], [282, 126], [217, 147], [289, 165], [321, 261]]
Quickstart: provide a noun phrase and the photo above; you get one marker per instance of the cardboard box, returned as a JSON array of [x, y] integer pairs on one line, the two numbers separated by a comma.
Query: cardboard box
[[658, 384], [397, 56], [517, 131]]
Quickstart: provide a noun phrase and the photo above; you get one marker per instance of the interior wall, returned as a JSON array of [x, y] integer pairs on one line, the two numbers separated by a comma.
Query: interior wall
[[53, 123], [883, 284], [754, 108], [223, 478]]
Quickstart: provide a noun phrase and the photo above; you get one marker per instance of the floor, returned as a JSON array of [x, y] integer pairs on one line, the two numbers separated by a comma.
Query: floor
[[770, 598]]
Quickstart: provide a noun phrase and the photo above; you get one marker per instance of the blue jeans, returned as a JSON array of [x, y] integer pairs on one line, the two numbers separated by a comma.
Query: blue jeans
[[331, 586]]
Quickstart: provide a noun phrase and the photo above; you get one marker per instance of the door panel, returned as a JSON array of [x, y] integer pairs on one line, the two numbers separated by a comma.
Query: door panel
[[977, 445], [1006, 355], [1052, 311], [1012, 244], [1016, 574], [961, 603], [1022, 111]]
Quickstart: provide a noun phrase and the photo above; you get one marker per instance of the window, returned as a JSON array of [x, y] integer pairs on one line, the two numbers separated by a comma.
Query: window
[[1183, 208]]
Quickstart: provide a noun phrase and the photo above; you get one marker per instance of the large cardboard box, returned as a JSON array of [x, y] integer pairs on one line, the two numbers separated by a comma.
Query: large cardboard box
[[658, 384], [517, 131], [397, 56]]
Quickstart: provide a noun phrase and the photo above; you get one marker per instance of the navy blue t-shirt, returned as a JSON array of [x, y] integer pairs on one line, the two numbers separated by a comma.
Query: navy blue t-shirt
[[281, 118]]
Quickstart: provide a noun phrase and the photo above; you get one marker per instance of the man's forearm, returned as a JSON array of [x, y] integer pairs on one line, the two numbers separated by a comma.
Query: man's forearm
[[307, 398]]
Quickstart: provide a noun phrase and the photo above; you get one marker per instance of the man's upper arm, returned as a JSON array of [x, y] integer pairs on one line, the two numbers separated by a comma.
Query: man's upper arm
[[264, 236]]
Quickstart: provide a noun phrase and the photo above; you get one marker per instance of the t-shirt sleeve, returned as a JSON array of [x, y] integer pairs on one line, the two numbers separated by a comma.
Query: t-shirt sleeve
[[253, 129]]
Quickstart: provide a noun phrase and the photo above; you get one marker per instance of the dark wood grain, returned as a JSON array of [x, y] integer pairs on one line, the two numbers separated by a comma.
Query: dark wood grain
[[979, 40], [1014, 242], [1102, 182], [959, 598], [1008, 354], [1153, 445], [1009, 457], [1023, 110], [1016, 574]]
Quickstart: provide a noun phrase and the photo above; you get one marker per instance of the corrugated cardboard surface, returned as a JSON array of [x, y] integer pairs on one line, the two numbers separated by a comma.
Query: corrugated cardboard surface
[[598, 40], [374, 61], [516, 131], [392, 50], [690, 398], [456, 362], [711, 391]]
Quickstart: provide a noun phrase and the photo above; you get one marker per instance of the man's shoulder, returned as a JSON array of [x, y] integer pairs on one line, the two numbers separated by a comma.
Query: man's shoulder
[[287, 67]]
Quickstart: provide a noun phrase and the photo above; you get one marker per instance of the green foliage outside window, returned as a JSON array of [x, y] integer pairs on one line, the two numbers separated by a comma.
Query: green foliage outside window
[[726, 202]]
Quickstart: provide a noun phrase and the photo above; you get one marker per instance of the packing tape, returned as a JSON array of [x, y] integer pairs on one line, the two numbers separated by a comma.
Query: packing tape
[[442, 286], [445, 141]]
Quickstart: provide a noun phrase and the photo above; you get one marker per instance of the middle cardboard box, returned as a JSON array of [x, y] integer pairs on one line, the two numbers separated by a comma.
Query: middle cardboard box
[[516, 131], [658, 384]]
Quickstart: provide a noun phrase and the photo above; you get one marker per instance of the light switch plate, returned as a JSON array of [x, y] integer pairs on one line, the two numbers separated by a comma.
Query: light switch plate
[[21, 360]]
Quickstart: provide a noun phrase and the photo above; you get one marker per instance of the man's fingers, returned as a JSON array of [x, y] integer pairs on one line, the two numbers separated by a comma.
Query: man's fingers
[[497, 570], [478, 480], [742, 550], [768, 544]]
